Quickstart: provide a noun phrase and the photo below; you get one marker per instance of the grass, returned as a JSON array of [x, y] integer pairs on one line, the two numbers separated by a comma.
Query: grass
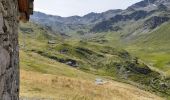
[[151, 48], [38, 85], [43, 75], [154, 48], [37, 63]]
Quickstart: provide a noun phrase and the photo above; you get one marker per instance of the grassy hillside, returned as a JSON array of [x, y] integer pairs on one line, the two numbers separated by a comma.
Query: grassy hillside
[[131, 46], [77, 63], [66, 88], [42, 77], [154, 49], [151, 48]]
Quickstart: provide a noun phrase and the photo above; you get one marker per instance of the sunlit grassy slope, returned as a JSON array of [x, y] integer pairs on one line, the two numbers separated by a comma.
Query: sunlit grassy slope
[[60, 87], [43, 76], [154, 48]]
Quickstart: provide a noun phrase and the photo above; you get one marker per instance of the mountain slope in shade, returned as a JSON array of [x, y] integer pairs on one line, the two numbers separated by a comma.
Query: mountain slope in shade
[[86, 19], [69, 24]]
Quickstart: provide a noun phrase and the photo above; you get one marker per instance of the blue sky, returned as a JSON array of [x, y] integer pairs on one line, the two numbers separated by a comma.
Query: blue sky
[[79, 7]]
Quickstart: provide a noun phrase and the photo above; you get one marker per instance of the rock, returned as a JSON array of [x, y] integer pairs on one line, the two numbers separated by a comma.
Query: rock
[[108, 24], [155, 21], [143, 70], [4, 60], [6, 96], [71, 62], [1, 86], [99, 81], [1, 23], [9, 54], [51, 42], [162, 7], [63, 51], [163, 85], [116, 28]]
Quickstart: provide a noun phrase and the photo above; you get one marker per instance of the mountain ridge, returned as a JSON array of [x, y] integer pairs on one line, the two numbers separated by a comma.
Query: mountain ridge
[[74, 24]]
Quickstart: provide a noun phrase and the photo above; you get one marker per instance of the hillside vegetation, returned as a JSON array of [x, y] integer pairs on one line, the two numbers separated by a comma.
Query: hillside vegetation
[[130, 46], [154, 49], [74, 61]]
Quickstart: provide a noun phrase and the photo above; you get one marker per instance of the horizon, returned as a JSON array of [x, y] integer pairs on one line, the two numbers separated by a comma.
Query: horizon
[[69, 8]]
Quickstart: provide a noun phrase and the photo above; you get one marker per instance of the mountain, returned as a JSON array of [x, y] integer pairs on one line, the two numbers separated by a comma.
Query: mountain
[[130, 45], [67, 24], [47, 56], [108, 24], [112, 20], [149, 5], [86, 19]]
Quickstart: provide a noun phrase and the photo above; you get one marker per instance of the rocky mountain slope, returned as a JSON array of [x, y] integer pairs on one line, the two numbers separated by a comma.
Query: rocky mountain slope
[[112, 20], [67, 24], [149, 5]]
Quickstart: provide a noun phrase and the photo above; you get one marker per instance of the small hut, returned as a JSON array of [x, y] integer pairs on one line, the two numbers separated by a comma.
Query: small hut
[[25, 9]]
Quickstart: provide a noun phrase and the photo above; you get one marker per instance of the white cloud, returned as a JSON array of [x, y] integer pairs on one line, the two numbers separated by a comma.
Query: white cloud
[[79, 7]]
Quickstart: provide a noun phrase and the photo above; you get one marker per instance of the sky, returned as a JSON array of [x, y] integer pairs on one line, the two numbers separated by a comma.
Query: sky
[[67, 8]]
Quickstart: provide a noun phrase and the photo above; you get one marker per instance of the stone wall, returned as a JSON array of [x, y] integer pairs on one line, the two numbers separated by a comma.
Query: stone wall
[[9, 56]]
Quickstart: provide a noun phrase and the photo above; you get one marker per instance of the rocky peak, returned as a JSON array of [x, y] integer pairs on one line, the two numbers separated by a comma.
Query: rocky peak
[[149, 4], [162, 7], [162, 1]]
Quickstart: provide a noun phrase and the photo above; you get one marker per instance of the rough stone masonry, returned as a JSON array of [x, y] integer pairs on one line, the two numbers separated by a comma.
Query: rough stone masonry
[[10, 13], [9, 49], [9, 56]]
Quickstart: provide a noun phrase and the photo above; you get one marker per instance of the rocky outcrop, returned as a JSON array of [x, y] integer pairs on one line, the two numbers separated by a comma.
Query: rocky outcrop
[[9, 56], [149, 5], [108, 24], [155, 21], [162, 7], [142, 3], [67, 24]]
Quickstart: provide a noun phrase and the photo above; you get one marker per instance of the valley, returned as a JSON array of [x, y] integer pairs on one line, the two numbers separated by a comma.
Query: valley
[[44, 77], [61, 57]]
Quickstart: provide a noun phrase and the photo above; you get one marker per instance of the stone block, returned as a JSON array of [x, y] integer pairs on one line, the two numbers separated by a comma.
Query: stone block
[[1, 24], [2, 81], [4, 60]]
